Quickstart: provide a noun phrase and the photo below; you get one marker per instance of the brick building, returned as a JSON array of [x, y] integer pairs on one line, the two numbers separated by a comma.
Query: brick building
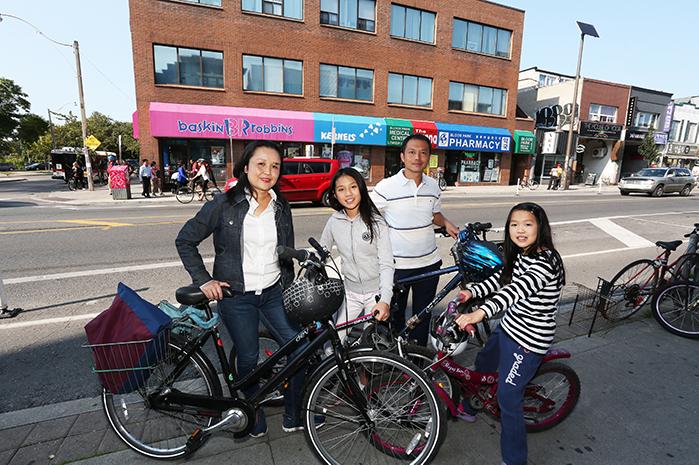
[[329, 78]]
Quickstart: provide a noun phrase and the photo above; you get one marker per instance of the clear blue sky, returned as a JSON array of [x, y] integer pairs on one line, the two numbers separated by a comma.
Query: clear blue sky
[[644, 43]]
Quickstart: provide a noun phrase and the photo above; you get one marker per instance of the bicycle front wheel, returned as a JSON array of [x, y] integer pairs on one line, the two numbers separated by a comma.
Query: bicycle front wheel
[[630, 289], [394, 415], [533, 185], [184, 195], [676, 308], [211, 192], [442, 184], [155, 434], [550, 396]]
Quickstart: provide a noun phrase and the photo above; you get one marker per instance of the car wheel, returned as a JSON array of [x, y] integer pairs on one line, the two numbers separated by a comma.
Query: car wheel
[[686, 190], [624, 192], [325, 199], [658, 191]]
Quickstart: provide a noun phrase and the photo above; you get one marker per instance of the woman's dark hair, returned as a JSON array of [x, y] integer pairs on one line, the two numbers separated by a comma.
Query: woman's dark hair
[[543, 243], [243, 184], [367, 209]]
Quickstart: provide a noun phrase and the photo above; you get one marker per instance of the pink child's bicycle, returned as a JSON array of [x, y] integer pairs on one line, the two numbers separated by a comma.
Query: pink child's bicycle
[[548, 398]]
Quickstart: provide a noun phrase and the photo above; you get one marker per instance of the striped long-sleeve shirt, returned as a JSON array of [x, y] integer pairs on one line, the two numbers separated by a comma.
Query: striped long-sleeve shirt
[[530, 300]]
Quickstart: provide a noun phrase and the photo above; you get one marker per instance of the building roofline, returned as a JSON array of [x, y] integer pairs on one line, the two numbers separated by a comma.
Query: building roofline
[[547, 71], [659, 92], [609, 83], [504, 6]]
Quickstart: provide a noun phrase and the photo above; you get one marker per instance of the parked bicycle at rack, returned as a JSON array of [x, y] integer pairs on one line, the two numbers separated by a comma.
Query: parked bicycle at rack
[[528, 183], [373, 407]]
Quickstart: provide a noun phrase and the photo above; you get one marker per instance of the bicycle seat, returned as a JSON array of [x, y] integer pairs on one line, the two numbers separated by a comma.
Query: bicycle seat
[[192, 295], [672, 245]]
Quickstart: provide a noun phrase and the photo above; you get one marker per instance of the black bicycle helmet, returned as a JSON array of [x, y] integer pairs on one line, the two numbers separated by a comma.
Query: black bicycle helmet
[[306, 302]]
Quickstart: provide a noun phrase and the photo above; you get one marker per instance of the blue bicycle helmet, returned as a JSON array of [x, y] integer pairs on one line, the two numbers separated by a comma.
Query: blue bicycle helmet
[[481, 258]]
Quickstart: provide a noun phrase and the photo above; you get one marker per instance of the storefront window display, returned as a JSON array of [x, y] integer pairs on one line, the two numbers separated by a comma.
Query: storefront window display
[[355, 156], [184, 150], [479, 167]]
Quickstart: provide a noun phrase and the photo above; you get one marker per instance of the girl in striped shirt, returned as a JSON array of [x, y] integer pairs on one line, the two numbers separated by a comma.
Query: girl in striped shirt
[[527, 289]]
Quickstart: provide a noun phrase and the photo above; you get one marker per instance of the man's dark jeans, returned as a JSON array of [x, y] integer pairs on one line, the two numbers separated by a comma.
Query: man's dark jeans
[[241, 314], [423, 293]]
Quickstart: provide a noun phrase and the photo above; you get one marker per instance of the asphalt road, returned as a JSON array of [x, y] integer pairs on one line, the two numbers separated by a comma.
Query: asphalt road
[[62, 264]]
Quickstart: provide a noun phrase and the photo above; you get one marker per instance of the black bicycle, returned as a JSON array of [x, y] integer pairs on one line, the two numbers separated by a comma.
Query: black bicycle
[[373, 407]]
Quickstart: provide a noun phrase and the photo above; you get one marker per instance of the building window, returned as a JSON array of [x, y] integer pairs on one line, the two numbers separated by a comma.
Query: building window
[[265, 74], [285, 8], [413, 24], [405, 89], [602, 113], [477, 99], [188, 66], [690, 134], [345, 82], [205, 2], [646, 120], [675, 130], [480, 38], [353, 14]]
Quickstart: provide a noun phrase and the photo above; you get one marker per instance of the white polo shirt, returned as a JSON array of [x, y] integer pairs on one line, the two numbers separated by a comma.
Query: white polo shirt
[[408, 210]]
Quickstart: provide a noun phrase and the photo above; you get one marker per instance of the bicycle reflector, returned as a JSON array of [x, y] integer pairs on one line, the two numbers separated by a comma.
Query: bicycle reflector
[[482, 258]]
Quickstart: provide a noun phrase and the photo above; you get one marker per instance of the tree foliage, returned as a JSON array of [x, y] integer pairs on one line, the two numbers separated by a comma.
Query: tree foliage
[[13, 104], [649, 149]]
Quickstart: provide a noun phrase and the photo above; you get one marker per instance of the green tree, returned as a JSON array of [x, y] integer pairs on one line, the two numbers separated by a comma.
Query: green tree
[[648, 149], [31, 127], [13, 104]]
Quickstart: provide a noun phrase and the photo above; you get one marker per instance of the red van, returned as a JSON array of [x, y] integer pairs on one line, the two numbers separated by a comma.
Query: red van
[[305, 179]]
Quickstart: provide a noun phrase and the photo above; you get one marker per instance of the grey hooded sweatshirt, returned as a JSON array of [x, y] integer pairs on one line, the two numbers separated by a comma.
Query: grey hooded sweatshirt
[[366, 266]]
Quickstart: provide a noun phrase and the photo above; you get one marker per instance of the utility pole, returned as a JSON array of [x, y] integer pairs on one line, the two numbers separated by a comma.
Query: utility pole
[[119, 140], [88, 164], [53, 134]]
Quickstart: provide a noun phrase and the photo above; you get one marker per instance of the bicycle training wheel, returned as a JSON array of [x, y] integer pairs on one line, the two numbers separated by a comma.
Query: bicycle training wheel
[[393, 416], [184, 195], [550, 396], [630, 289], [676, 308], [155, 434]]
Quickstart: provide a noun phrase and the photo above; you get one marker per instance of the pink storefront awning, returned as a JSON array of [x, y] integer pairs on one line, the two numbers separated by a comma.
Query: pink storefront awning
[[215, 122]]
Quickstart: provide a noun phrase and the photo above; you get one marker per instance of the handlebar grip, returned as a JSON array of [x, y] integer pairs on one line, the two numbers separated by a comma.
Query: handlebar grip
[[288, 253], [319, 248], [227, 292], [442, 230], [470, 329]]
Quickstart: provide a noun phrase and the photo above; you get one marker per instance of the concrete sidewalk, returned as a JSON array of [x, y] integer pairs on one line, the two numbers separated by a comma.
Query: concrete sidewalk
[[638, 404]]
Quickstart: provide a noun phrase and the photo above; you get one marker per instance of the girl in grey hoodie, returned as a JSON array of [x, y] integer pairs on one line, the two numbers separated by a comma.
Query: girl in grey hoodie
[[360, 234]]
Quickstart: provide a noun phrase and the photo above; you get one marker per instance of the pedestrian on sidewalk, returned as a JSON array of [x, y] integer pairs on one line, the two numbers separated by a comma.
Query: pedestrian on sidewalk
[[155, 182], [527, 290], [410, 202], [5, 310], [145, 172], [555, 177]]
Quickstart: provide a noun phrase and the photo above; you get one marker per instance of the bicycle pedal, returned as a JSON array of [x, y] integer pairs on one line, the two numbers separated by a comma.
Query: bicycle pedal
[[195, 441]]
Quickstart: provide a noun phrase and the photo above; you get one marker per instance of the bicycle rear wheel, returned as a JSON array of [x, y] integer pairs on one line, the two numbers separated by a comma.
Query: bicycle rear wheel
[[155, 434], [442, 184], [184, 195], [630, 289], [211, 192], [406, 422], [267, 347], [533, 185], [550, 396], [676, 308]]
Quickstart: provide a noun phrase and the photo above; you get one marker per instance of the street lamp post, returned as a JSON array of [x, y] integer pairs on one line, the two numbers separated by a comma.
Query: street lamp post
[[585, 29], [76, 50]]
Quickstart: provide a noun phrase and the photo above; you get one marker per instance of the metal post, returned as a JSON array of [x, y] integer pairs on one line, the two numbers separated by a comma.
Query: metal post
[[88, 164], [569, 146], [53, 135], [119, 140]]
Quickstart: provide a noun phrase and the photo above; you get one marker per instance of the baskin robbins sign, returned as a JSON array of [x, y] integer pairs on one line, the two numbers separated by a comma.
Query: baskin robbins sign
[[473, 138], [209, 122]]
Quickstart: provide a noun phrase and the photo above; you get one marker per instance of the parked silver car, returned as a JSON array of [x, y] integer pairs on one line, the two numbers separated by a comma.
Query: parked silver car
[[658, 181]]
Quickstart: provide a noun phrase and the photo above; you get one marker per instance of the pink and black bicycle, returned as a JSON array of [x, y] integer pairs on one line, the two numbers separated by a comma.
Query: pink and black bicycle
[[548, 398]]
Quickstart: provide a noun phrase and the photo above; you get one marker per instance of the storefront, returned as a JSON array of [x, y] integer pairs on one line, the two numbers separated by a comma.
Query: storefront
[[476, 154], [396, 131], [684, 155], [596, 152], [525, 147]]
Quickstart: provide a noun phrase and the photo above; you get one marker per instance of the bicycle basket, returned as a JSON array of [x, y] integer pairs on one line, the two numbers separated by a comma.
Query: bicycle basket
[[124, 367], [306, 302]]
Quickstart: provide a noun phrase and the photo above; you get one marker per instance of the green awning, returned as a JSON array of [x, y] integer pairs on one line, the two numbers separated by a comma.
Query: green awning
[[525, 142], [397, 130]]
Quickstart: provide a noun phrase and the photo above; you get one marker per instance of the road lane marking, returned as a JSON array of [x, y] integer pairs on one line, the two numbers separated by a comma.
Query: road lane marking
[[31, 231], [79, 274], [109, 224], [45, 321], [623, 235]]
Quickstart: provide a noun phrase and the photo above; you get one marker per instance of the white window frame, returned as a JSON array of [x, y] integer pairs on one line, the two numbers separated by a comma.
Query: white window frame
[[641, 115], [597, 113]]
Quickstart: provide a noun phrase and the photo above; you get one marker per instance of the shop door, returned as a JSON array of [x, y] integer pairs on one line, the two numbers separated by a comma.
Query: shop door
[[451, 172], [393, 164]]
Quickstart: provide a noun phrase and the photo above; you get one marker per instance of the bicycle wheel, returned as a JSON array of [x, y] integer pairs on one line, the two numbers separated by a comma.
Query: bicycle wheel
[[185, 195], [676, 308], [533, 185], [155, 434], [550, 396], [72, 185], [442, 184], [686, 268], [211, 192], [406, 422], [630, 289], [423, 358], [267, 346]]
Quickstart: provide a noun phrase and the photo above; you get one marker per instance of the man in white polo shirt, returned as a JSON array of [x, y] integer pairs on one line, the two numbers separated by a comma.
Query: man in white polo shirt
[[411, 206]]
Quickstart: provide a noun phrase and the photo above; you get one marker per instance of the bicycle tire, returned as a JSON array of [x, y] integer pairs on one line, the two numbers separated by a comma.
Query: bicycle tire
[[686, 268], [171, 441], [423, 357], [184, 195], [398, 397], [543, 410], [533, 185], [676, 308], [72, 185], [442, 183], [211, 193], [630, 289], [267, 346]]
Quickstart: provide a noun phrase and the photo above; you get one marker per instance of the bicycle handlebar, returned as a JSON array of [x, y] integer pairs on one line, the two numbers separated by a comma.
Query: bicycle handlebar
[[287, 253]]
